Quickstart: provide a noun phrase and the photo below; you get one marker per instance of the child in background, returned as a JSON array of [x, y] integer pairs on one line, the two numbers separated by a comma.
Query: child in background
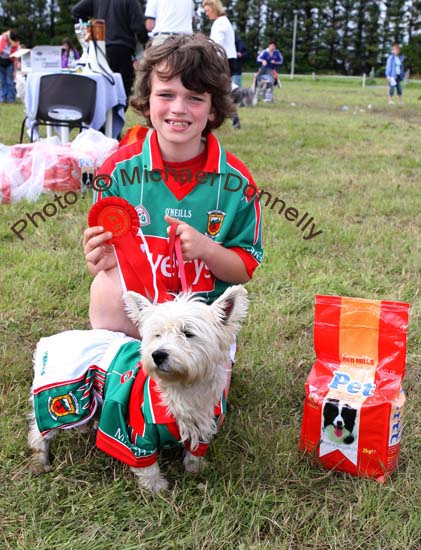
[[69, 54], [395, 73], [180, 174]]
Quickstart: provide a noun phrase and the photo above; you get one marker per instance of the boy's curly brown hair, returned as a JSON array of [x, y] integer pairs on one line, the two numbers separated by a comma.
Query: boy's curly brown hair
[[202, 67]]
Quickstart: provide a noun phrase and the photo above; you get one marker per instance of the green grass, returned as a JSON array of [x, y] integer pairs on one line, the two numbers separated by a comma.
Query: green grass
[[358, 174]]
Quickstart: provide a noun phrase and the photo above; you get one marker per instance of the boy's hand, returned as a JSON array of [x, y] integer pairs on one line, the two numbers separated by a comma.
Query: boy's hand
[[224, 263], [193, 243], [99, 254]]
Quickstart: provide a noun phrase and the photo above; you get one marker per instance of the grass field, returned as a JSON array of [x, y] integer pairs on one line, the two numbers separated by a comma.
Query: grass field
[[357, 173]]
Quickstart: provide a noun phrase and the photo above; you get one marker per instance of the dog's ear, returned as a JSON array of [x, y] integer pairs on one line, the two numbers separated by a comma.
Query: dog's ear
[[232, 306], [135, 305]]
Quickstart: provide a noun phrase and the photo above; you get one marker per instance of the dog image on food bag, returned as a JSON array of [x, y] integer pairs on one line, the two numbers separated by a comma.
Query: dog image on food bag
[[339, 422], [354, 401], [166, 390]]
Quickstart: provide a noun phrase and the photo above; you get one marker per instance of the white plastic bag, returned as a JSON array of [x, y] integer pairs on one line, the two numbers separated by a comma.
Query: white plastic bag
[[28, 170], [94, 145]]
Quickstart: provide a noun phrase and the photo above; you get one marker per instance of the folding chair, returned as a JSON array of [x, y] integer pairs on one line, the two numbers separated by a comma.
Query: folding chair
[[65, 101]]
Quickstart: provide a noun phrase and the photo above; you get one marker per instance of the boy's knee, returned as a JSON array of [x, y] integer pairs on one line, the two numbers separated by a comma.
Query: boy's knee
[[106, 285], [105, 298], [106, 309]]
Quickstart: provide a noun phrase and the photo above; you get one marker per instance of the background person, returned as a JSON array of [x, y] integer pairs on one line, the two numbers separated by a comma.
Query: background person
[[69, 54], [9, 43], [164, 18], [271, 58], [395, 73], [222, 32], [123, 23], [242, 55]]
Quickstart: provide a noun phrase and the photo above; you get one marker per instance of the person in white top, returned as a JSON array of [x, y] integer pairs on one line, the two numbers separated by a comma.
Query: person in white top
[[164, 17], [222, 32]]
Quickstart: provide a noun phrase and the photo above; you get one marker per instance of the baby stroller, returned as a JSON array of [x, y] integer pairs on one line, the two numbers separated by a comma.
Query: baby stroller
[[264, 83]]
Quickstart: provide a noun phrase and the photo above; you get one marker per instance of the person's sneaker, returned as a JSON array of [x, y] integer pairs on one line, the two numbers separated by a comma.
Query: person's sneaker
[[391, 102], [236, 123]]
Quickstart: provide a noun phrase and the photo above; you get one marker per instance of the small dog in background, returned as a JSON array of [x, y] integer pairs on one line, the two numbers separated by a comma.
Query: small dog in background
[[243, 97], [185, 350], [339, 422]]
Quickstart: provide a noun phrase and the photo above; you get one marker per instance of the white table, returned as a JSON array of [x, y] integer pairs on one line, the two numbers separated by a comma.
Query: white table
[[109, 104]]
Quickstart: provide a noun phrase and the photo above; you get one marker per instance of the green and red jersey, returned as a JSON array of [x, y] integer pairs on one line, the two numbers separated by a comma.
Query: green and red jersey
[[77, 371], [214, 193]]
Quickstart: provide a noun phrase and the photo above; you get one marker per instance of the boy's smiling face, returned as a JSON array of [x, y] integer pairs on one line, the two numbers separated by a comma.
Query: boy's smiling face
[[179, 116]]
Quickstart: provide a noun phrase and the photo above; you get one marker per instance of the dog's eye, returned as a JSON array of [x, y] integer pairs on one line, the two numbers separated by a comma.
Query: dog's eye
[[188, 334], [157, 336]]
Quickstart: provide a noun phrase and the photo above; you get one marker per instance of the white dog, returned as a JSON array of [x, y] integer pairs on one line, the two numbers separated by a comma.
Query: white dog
[[185, 352]]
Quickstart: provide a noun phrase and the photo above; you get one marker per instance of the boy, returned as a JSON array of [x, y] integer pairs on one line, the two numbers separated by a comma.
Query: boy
[[179, 174], [395, 73]]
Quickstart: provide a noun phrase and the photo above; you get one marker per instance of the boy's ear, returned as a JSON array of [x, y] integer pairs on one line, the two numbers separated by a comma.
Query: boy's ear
[[211, 116]]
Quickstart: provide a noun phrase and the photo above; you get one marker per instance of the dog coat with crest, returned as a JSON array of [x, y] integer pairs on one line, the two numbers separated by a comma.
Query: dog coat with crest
[[75, 371]]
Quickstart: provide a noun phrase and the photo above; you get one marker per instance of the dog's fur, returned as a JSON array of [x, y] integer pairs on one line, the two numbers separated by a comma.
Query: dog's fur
[[185, 347], [244, 97]]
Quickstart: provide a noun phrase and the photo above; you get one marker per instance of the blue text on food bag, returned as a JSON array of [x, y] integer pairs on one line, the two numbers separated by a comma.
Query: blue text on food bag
[[342, 380]]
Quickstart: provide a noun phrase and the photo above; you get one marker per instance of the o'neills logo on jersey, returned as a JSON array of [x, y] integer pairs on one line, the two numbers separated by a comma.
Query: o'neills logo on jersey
[[144, 218], [215, 219], [198, 276], [178, 213]]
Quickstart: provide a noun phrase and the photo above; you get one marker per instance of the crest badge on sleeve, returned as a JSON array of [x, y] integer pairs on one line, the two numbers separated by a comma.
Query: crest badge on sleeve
[[144, 218], [62, 405], [126, 376], [215, 220]]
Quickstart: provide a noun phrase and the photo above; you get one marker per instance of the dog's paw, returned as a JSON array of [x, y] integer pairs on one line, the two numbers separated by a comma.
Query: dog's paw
[[88, 427], [153, 486], [151, 479], [39, 463], [194, 464], [158, 486], [85, 428]]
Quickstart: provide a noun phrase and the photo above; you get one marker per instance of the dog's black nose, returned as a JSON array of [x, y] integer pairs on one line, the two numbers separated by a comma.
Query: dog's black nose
[[159, 357], [339, 424]]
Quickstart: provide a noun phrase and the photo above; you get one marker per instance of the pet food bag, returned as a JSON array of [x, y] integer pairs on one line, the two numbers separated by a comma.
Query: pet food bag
[[354, 399]]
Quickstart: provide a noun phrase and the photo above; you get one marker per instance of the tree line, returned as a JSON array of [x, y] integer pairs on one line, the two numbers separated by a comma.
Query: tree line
[[341, 36]]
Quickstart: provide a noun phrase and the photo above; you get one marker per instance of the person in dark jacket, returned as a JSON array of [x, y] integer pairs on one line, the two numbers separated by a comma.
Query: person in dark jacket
[[124, 23], [242, 55]]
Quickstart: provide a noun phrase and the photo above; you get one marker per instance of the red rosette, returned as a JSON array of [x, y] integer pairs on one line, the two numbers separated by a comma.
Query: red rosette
[[116, 215]]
